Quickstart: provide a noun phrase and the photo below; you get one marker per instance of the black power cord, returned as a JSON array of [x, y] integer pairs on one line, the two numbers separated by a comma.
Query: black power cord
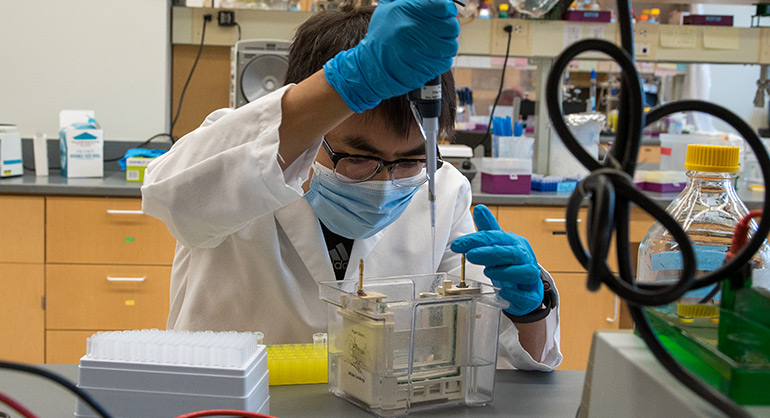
[[113, 159], [611, 191], [61, 381], [161, 135], [206, 19], [509, 30]]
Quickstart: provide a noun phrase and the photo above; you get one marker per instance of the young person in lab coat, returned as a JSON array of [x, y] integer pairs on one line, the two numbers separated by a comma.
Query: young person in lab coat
[[253, 244]]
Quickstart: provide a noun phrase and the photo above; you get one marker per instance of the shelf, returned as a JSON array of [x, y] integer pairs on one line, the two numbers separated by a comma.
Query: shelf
[[530, 38], [187, 25], [654, 42]]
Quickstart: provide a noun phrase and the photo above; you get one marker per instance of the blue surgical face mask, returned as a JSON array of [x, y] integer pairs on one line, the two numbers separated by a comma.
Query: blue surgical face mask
[[357, 210]]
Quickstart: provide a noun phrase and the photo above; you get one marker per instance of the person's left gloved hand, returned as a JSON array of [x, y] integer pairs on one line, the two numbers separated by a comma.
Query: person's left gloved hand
[[509, 260]]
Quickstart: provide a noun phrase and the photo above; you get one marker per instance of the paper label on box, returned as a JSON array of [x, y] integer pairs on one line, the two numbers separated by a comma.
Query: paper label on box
[[82, 153], [138, 161]]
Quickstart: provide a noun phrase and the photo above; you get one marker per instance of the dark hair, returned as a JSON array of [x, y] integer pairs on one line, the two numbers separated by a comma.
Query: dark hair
[[326, 33]]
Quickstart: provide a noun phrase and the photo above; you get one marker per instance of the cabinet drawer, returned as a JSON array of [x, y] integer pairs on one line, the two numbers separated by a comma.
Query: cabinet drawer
[[106, 297], [545, 228], [22, 229], [66, 347], [105, 231], [581, 314]]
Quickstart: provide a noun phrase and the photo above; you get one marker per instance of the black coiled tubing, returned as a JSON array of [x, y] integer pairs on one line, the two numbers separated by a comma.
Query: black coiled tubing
[[610, 190]]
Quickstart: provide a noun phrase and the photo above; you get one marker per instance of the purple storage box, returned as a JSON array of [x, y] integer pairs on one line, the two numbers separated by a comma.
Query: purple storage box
[[664, 187], [506, 175], [603, 16], [506, 184], [665, 181], [708, 20]]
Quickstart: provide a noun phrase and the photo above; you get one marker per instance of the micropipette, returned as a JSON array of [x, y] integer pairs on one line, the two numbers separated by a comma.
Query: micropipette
[[426, 108]]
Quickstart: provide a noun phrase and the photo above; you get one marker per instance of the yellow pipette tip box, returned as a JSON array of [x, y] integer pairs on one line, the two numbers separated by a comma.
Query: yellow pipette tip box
[[297, 364]]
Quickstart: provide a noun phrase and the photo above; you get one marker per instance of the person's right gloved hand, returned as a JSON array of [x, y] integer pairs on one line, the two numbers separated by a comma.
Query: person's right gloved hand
[[409, 42]]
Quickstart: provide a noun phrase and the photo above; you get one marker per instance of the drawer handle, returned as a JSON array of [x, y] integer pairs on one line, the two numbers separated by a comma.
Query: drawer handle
[[126, 279], [557, 220], [124, 212]]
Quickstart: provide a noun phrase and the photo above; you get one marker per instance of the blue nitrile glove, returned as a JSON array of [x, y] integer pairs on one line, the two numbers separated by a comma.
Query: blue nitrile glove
[[409, 42], [509, 260]]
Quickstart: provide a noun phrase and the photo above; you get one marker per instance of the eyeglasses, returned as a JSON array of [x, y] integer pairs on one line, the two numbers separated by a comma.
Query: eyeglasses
[[404, 172]]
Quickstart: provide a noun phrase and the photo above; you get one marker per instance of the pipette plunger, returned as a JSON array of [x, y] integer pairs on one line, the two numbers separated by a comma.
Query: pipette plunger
[[426, 106]]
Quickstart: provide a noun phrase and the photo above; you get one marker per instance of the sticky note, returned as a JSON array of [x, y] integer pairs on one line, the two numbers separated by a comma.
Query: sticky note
[[721, 38], [678, 37], [130, 302], [129, 239]]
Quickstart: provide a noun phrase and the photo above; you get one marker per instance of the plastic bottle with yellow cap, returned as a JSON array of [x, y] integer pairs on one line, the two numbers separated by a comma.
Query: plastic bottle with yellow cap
[[708, 209]]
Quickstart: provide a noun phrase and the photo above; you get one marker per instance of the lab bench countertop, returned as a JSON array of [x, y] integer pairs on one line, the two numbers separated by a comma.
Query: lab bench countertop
[[517, 393], [114, 184], [752, 200]]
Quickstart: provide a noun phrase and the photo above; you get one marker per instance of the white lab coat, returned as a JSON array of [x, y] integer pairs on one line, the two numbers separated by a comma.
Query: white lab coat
[[250, 250]]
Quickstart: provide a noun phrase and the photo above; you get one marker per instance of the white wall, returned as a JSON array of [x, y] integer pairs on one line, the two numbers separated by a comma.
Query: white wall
[[734, 86], [111, 56]]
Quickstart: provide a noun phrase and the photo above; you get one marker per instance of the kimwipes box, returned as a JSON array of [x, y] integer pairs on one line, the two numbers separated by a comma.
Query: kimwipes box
[[81, 144]]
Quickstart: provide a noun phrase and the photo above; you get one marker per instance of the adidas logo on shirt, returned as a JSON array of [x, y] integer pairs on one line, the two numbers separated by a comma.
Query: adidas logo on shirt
[[339, 257]]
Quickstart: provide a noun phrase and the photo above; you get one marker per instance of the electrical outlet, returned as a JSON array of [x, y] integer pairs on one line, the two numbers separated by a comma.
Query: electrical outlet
[[646, 41], [226, 18], [518, 29], [521, 44]]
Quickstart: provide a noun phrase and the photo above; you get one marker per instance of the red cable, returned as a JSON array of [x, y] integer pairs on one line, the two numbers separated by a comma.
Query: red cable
[[741, 234], [17, 406], [225, 412]]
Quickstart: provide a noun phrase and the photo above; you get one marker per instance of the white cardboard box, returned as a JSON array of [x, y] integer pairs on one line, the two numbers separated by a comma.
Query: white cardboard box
[[82, 152], [81, 144]]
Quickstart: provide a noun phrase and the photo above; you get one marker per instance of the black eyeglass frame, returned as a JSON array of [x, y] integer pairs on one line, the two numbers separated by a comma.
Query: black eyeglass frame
[[337, 156]]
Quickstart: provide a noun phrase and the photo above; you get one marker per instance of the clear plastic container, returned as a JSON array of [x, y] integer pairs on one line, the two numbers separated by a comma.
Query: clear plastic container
[[403, 346], [708, 209]]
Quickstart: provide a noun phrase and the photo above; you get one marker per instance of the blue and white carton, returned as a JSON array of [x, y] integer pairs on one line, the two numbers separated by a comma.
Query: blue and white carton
[[81, 144], [10, 151]]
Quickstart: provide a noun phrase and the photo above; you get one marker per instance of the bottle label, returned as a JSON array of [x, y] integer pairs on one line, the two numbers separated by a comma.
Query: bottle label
[[707, 258]]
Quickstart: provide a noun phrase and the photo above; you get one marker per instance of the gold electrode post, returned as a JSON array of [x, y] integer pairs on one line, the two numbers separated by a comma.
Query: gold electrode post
[[462, 273], [361, 278]]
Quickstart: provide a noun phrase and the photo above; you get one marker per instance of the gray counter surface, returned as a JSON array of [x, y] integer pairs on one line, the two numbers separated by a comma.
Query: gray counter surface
[[115, 185], [517, 393]]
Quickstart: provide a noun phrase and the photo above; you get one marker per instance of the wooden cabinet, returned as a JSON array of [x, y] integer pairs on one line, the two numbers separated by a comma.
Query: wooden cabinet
[[106, 297], [107, 268], [22, 229], [105, 231], [65, 347], [21, 312], [544, 227], [22, 254], [581, 312]]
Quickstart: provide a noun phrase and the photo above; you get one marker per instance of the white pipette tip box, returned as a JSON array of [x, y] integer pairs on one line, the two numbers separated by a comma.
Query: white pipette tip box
[[154, 373]]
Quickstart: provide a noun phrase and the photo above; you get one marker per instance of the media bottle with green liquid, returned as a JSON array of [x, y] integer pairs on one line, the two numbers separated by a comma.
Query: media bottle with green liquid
[[708, 209]]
